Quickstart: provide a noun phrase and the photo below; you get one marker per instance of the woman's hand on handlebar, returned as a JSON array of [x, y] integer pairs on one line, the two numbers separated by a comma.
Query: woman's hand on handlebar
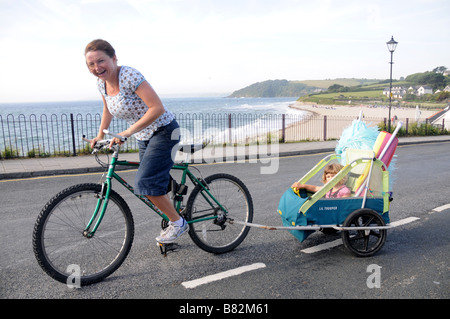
[[116, 140], [94, 141]]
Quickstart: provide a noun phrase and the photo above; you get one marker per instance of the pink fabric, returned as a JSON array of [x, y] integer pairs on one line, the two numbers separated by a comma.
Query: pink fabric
[[341, 192]]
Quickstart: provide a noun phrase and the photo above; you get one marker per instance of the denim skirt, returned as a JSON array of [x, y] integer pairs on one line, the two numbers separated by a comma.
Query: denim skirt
[[155, 155]]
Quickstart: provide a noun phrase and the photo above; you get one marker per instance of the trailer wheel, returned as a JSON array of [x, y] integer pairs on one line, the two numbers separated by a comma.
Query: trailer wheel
[[364, 243]]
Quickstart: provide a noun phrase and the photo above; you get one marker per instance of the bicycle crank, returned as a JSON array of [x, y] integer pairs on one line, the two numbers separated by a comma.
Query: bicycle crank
[[165, 248]]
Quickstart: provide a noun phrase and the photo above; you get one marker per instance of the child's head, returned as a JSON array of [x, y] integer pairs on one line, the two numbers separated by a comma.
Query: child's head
[[331, 170]]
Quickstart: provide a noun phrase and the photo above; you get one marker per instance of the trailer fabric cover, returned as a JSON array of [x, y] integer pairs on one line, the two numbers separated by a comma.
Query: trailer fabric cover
[[289, 209], [323, 212]]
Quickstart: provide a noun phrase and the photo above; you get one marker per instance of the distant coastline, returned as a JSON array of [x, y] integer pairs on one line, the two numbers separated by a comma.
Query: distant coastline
[[379, 112], [312, 125]]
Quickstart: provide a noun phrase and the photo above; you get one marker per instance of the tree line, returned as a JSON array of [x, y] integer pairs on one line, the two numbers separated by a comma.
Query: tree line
[[284, 88], [435, 78]]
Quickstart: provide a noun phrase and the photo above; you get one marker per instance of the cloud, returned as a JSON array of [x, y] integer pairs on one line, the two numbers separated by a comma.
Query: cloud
[[214, 45]]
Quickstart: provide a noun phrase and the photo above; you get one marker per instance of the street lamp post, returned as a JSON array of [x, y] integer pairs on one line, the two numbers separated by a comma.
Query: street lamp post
[[391, 44]]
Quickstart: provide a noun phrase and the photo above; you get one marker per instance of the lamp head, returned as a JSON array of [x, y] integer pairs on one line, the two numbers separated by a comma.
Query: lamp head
[[392, 44]]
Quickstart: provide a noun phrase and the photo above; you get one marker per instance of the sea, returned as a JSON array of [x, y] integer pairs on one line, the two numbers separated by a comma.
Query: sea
[[189, 105], [215, 116]]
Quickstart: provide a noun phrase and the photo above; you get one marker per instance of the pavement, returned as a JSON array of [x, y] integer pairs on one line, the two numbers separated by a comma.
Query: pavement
[[35, 167]]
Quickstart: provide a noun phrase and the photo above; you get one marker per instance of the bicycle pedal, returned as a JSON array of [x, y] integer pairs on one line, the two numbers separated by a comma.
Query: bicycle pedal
[[165, 248]]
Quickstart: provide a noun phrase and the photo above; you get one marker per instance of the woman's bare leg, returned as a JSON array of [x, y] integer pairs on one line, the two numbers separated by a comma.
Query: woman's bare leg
[[165, 205]]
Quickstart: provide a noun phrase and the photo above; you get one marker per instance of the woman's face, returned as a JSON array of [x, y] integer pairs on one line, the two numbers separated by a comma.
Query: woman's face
[[100, 64]]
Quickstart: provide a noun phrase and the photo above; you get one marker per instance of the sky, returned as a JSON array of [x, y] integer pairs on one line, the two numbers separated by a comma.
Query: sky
[[214, 47]]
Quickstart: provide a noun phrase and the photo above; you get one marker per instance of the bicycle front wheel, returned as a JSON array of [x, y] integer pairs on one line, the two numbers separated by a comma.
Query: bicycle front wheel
[[61, 245], [210, 226]]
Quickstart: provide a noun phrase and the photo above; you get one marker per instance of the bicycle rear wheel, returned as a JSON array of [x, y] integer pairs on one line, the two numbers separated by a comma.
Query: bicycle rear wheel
[[59, 242], [217, 235]]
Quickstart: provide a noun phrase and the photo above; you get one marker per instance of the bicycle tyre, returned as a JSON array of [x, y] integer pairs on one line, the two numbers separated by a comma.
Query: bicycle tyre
[[59, 242], [364, 243], [218, 235]]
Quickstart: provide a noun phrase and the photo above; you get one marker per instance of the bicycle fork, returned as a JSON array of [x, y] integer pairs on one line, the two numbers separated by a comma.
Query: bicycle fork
[[99, 212], [102, 202]]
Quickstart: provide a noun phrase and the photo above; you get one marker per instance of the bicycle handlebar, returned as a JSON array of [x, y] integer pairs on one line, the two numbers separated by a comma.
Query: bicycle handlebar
[[186, 148], [123, 139], [104, 143], [98, 145]]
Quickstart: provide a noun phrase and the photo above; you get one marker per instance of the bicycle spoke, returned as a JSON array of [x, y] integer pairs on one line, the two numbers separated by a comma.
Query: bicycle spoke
[[59, 238], [227, 198]]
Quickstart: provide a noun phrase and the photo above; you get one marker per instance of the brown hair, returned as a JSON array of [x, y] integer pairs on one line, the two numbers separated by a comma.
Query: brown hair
[[332, 168], [100, 45]]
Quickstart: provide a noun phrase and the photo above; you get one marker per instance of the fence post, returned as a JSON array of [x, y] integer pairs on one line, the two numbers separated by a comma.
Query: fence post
[[283, 127], [443, 125], [73, 135], [324, 127], [229, 128], [407, 126]]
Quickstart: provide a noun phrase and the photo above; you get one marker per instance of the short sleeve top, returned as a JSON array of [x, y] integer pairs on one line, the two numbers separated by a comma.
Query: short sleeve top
[[343, 191], [128, 106]]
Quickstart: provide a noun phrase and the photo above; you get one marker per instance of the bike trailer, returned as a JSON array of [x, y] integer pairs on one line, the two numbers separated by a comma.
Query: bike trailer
[[365, 175]]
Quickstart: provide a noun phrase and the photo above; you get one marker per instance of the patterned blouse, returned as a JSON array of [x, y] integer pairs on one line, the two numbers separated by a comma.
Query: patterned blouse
[[128, 106]]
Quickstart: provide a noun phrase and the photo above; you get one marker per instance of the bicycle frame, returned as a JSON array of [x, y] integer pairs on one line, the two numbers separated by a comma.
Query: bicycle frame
[[103, 200]]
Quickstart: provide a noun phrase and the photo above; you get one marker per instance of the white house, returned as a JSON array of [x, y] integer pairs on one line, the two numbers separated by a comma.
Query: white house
[[397, 92], [424, 90], [437, 118], [447, 121]]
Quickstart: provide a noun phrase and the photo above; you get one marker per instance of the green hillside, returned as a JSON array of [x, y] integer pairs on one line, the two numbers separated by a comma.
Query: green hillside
[[275, 88], [339, 93], [353, 91], [325, 84], [285, 88]]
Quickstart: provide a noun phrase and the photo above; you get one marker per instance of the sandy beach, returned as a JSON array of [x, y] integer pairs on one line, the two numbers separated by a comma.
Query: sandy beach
[[316, 128], [380, 112]]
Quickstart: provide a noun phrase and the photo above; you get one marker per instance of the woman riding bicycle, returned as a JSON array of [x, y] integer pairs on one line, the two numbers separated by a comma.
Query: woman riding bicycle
[[127, 95]]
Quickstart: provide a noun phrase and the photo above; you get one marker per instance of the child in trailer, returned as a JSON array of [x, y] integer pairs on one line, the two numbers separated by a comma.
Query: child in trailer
[[338, 191]]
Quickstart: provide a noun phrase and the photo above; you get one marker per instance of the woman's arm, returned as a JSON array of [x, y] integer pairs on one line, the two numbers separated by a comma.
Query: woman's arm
[[104, 124], [155, 109], [309, 188]]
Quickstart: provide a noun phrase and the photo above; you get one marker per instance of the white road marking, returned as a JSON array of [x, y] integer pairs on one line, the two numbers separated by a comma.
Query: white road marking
[[320, 247], [338, 242], [404, 221], [237, 271], [441, 208], [222, 275]]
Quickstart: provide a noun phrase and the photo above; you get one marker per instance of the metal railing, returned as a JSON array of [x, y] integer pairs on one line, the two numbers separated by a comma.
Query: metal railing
[[60, 135]]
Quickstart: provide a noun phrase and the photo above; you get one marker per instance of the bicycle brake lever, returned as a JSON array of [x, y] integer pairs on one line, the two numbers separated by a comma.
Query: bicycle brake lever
[[100, 145]]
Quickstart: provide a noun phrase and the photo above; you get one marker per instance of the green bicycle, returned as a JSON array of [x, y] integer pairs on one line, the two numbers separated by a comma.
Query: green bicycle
[[91, 226]]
